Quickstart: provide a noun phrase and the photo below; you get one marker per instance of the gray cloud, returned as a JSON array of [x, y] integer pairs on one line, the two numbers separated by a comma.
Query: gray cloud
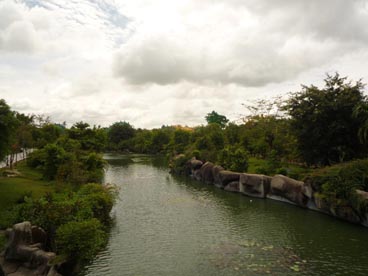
[[287, 38]]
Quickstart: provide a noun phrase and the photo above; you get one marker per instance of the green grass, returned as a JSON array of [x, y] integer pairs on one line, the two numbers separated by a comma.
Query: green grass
[[256, 163], [294, 170], [13, 189]]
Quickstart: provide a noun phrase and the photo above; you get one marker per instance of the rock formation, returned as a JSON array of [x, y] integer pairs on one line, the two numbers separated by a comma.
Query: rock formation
[[25, 251], [278, 187]]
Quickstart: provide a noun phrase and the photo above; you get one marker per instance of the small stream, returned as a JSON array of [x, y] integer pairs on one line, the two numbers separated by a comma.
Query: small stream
[[167, 225]]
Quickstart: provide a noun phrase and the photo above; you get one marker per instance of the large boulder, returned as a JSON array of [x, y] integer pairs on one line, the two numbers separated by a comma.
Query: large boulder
[[290, 189], [226, 177], [25, 247], [232, 187], [206, 174], [340, 210], [20, 234], [363, 199], [255, 185], [346, 212], [216, 174], [195, 164]]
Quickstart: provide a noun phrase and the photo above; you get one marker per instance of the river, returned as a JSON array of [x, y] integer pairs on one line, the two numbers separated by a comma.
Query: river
[[167, 225]]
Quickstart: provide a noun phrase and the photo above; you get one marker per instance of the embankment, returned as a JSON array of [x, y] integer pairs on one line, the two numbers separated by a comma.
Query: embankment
[[278, 187]]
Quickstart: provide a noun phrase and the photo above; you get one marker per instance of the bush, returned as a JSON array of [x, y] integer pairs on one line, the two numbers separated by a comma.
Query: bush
[[234, 159], [178, 164], [80, 240], [341, 181], [98, 199], [36, 159]]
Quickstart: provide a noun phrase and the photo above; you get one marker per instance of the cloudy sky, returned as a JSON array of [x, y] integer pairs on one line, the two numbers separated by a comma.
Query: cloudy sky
[[155, 62]]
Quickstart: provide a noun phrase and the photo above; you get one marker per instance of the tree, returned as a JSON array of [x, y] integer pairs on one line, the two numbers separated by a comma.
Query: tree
[[118, 132], [215, 118], [90, 139], [323, 121], [8, 125]]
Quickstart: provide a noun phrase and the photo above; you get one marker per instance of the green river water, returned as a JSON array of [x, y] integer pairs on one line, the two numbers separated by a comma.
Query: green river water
[[167, 225]]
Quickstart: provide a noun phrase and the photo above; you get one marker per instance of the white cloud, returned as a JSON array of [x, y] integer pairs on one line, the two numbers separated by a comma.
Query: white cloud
[[251, 43], [171, 62]]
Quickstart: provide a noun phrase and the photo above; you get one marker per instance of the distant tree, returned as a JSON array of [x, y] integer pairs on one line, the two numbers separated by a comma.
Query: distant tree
[[323, 121], [215, 118], [118, 132]]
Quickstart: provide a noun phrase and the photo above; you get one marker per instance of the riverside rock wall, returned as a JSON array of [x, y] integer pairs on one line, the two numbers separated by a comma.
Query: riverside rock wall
[[278, 187]]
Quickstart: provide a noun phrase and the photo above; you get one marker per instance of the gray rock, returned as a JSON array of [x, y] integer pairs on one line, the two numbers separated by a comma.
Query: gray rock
[[195, 164], [255, 185], [216, 174], [290, 189], [363, 196], [225, 177], [23, 256], [20, 234], [232, 187], [206, 173]]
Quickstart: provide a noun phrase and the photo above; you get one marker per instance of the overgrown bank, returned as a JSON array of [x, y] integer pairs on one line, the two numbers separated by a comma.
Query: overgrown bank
[[339, 190], [59, 192]]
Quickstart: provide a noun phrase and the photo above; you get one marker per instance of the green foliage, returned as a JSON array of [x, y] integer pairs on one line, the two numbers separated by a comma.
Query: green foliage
[[54, 157], [80, 240], [215, 118], [90, 139], [341, 181], [118, 133], [323, 121], [74, 167], [98, 199], [234, 158], [8, 125], [46, 134], [180, 140], [91, 201], [178, 164]]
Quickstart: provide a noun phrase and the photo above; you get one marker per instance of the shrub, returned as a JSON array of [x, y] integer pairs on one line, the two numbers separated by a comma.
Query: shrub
[[80, 240], [178, 164], [234, 159]]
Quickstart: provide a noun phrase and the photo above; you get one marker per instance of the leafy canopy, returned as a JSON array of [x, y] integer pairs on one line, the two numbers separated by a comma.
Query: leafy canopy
[[215, 118], [326, 130]]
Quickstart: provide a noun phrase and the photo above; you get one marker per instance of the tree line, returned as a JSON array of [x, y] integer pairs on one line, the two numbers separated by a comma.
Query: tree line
[[314, 126]]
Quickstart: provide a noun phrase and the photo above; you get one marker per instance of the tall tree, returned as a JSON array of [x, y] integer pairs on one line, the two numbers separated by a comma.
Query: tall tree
[[323, 120], [118, 132], [215, 118]]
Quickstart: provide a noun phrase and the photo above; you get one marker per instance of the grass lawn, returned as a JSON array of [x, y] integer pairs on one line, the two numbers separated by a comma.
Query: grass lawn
[[13, 189]]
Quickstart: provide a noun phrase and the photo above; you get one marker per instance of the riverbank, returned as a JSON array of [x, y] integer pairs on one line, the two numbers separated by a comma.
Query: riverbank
[[17, 184], [312, 193]]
